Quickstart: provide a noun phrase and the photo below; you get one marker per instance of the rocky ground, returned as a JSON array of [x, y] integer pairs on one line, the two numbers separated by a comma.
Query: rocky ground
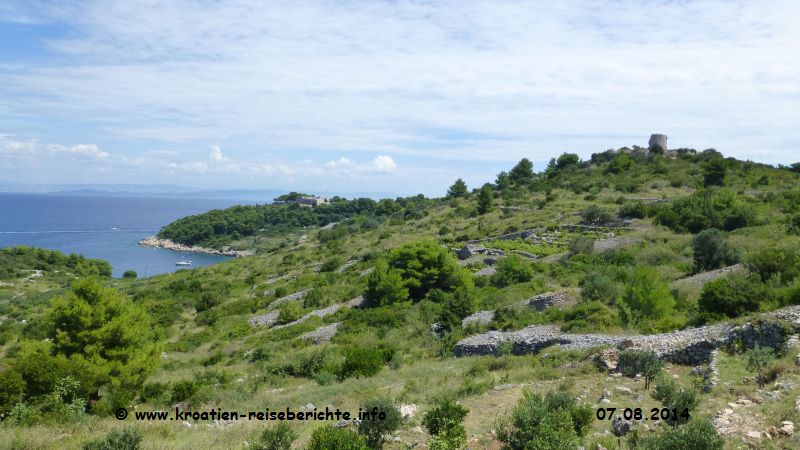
[[156, 242]]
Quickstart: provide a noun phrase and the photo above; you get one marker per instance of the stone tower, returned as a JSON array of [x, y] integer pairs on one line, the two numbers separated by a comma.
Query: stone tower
[[658, 140]]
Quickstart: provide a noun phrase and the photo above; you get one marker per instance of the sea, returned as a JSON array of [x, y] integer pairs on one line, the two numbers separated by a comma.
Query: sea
[[104, 226]]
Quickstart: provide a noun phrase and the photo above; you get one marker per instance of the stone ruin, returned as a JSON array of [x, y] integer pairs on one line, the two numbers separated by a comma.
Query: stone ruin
[[657, 141]]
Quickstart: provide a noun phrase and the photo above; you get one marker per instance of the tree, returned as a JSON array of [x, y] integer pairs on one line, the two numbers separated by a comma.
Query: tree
[[594, 215], [714, 173], [458, 189], [502, 181], [107, 339], [425, 265], [632, 362], [646, 297], [621, 163], [596, 286], [759, 359], [580, 245], [567, 160], [289, 312], [386, 421], [444, 423], [485, 199], [544, 422], [522, 173], [385, 285], [129, 274], [455, 306], [711, 251], [675, 398]]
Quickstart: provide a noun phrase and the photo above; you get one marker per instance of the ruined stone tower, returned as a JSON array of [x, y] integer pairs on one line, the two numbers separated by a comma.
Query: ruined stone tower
[[658, 140]]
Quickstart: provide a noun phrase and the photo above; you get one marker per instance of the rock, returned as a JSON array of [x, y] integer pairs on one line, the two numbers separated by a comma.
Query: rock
[[606, 360], [547, 300], [486, 272], [600, 447], [264, 319], [621, 427], [322, 334], [408, 411], [164, 355], [753, 434], [623, 390], [156, 242], [480, 317], [187, 424], [356, 302], [787, 428], [297, 296]]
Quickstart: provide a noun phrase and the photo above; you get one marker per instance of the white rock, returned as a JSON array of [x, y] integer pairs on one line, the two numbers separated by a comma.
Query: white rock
[[408, 411]]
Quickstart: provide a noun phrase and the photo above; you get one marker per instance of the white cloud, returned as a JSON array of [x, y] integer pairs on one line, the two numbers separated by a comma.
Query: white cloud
[[91, 151], [384, 163], [217, 156]]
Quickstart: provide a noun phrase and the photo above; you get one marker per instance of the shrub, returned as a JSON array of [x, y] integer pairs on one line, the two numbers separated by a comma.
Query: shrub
[[289, 312], [278, 437], [455, 306], [695, 435], [544, 423], [511, 270], [598, 287], [731, 296], [445, 419], [127, 439], [329, 438], [594, 215], [589, 316], [314, 298], [644, 362], [673, 397], [581, 245], [714, 172], [360, 361], [207, 300], [759, 359], [373, 427], [12, 386], [777, 260], [635, 210], [711, 251], [709, 208], [331, 264], [458, 189], [129, 274], [646, 298]]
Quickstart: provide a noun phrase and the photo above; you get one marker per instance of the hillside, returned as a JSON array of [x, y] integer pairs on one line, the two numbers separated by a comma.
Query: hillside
[[537, 282]]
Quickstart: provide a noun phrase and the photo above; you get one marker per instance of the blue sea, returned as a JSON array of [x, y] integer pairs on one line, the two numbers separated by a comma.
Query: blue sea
[[103, 226]]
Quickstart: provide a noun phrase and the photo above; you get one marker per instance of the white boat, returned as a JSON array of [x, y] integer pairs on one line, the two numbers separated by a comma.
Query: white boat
[[184, 262]]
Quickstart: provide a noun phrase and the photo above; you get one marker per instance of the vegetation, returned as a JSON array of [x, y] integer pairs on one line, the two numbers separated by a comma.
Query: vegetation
[[374, 428], [640, 362], [759, 359], [545, 422], [444, 423], [277, 437]]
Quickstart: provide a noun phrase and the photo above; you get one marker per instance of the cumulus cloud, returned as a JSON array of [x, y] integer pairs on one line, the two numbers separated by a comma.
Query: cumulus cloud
[[90, 151], [384, 163], [217, 156]]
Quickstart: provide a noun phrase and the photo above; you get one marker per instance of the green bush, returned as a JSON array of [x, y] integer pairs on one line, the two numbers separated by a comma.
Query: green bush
[[12, 387], [425, 265], [695, 435], [331, 264], [732, 296], [588, 317], [598, 287], [711, 251], [129, 274], [485, 199], [594, 215], [127, 439], [458, 189], [780, 260], [315, 298], [759, 359], [278, 437], [645, 362], [455, 306], [511, 270], [289, 312], [544, 423], [446, 418], [329, 438], [673, 397], [373, 428], [581, 245], [385, 286], [361, 361], [646, 299], [709, 208]]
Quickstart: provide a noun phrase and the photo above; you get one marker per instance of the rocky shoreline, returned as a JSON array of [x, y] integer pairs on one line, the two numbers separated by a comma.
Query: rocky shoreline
[[157, 242]]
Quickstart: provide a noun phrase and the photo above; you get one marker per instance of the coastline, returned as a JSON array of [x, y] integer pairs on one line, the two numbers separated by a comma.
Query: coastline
[[157, 242]]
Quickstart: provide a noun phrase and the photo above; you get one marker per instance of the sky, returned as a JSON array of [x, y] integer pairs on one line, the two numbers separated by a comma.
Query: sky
[[382, 96]]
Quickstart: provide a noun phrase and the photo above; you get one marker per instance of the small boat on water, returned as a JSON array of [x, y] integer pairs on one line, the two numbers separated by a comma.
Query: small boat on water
[[184, 262]]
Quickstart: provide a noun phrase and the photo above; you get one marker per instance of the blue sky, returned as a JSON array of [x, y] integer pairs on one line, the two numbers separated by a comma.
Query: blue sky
[[395, 96]]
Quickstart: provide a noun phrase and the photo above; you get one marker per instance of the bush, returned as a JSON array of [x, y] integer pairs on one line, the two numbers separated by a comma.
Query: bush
[[709, 208], [278, 437], [777, 260], [328, 438], [455, 306], [444, 423], [385, 286], [581, 245], [594, 215], [289, 312], [373, 428], [458, 189], [511, 270], [127, 439], [331, 264], [360, 361], [424, 266], [12, 386], [589, 316], [695, 435], [315, 298], [673, 397], [598, 287], [635, 210], [544, 423], [731, 296], [644, 362], [646, 299], [759, 359], [129, 274], [711, 251]]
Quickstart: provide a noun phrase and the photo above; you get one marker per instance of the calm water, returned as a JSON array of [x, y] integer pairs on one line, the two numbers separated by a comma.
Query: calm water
[[105, 227]]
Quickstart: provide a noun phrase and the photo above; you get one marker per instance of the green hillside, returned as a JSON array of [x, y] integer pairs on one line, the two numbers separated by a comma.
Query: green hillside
[[360, 303]]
